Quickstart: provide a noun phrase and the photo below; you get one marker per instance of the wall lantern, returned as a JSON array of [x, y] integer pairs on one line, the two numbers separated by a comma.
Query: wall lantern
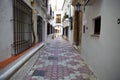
[[78, 6]]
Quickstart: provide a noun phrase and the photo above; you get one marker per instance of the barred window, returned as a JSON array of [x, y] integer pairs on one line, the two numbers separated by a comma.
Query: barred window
[[22, 24]]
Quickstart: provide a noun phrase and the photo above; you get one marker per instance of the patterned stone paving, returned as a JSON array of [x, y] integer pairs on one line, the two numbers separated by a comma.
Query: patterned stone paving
[[60, 61]]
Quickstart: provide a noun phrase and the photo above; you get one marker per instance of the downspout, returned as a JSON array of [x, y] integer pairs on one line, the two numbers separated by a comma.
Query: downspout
[[33, 31]]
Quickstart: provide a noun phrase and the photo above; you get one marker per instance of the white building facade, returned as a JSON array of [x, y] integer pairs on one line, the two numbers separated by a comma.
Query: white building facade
[[57, 21], [23, 24], [68, 20], [100, 38]]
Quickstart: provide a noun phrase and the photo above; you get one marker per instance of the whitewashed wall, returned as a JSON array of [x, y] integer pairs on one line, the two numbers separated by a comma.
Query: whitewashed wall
[[6, 29], [71, 31], [103, 53], [40, 12], [68, 9]]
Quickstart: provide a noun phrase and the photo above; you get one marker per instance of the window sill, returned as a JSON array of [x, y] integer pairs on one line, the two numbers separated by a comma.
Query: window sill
[[95, 35]]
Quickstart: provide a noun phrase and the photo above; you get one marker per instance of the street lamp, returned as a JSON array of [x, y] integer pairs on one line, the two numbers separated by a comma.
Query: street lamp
[[78, 10]]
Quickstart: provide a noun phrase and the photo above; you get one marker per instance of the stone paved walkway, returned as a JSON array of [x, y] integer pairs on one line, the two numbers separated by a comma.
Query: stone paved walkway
[[60, 61]]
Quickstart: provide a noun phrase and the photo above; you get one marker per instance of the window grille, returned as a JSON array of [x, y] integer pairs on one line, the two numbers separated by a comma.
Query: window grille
[[22, 24]]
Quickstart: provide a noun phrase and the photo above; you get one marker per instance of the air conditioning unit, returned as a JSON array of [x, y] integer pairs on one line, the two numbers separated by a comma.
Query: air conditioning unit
[[88, 2]]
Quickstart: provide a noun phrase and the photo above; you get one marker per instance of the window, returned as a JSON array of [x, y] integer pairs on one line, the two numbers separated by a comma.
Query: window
[[22, 25], [58, 18], [97, 25]]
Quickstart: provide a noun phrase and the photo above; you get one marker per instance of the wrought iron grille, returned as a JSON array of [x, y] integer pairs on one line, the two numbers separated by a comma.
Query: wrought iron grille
[[22, 24]]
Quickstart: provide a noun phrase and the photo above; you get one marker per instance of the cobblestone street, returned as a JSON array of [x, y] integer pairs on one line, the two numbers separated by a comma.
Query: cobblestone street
[[59, 61]]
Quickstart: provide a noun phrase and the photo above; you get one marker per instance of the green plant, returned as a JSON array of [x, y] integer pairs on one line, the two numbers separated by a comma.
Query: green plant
[[64, 17]]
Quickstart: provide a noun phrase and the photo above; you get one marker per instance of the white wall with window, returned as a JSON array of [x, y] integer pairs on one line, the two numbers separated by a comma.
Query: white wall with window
[[68, 22], [23, 23], [102, 50]]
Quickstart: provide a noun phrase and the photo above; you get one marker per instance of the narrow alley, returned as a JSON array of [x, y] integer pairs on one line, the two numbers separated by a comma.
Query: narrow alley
[[59, 39], [57, 60]]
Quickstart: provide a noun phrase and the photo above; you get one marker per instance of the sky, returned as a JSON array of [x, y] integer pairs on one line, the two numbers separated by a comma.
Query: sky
[[58, 2]]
